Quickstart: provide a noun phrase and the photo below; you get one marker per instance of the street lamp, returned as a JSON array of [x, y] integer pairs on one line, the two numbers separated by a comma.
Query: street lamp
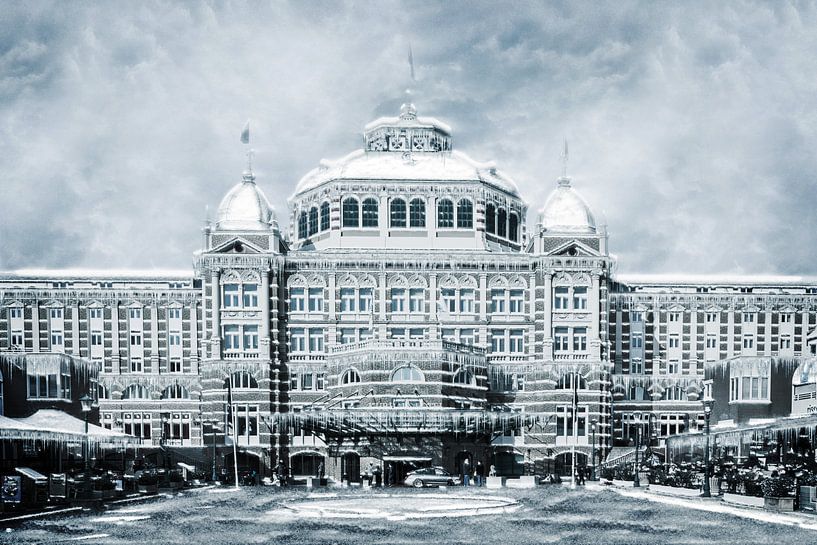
[[637, 420], [593, 450], [708, 403], [86, 401]]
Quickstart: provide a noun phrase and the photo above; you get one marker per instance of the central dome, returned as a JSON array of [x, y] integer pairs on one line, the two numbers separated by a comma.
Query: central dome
[[565, 210], [245, 208]]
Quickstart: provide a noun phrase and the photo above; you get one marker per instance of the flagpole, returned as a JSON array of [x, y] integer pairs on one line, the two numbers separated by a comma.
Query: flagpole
[[575, 430], [232, 413]]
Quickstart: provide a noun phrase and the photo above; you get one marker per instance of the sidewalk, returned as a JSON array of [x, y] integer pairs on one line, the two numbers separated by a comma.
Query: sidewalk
[[717, 505]]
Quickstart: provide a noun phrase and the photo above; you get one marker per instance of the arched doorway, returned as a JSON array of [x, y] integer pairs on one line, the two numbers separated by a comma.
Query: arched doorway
[[350, 467], [305, 464], [248, 462], [564, 463]]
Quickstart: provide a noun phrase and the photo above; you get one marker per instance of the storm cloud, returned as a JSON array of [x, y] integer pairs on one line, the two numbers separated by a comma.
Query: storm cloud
[[692, 126]]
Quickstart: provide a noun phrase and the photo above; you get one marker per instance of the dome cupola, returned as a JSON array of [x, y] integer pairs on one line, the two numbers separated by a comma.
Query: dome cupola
[[566, 211], [245, 208]]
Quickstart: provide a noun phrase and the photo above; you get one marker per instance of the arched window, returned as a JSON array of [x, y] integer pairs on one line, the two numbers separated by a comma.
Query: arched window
[[313, 220], [325, 216], [370, 212], [351, 213], [567, 382], [350, 376], [175, 391], [490, 219], [464, 376], [513, 227], [302, 232], [417, 213], [101, 391], [407, 373], [136, 391], [445, 214], [241, 380], [398, 213], [465, 214], [502, 223]]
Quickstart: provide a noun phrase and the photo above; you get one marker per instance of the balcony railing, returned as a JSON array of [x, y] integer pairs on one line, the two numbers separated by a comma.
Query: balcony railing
[[415, 344]]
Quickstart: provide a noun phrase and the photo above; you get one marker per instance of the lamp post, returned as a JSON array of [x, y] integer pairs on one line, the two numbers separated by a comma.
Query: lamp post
[[86, 401], [637, 420], [708, 403], [593, 449]]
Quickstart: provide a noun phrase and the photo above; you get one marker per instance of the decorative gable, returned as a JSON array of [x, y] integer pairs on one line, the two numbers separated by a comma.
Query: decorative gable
[[574, 248], [237, 245]]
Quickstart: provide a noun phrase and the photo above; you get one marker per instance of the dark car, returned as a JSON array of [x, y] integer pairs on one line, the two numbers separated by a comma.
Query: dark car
[[431, 476]]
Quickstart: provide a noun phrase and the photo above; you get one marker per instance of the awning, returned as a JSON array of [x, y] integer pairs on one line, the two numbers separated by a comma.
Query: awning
[[188, 467], [31, 474], [53, 420], [407, 458]]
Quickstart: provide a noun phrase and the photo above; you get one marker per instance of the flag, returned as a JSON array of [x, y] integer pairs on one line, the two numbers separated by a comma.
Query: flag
[[245, 133], [411, 63]]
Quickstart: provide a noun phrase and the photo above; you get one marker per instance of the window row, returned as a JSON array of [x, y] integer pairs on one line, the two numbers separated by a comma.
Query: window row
[[239, 295], [570, 298], [94, 313], [239, 337], [402, 214], [498, 222], [562, 337], [314, 221], [507, 341]]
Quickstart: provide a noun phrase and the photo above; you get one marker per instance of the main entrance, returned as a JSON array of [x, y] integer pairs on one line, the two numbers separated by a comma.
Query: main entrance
[[399, 464]]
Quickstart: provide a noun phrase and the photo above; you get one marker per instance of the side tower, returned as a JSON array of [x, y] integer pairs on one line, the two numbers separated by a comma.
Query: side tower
[[240, 268], [570, 379]]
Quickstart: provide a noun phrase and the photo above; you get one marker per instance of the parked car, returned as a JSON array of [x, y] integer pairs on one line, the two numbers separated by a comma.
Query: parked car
[[431, 476]]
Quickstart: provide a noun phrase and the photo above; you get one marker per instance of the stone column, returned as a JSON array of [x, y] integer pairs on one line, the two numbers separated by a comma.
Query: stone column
[[154, 340], [115, 355], [194, 339], [75, 350], [547, 321], [265, 317], [35, 327], [593, 303], [215, 333]]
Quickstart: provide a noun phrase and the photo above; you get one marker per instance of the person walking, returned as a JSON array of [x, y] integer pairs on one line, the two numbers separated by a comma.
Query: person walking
[[479, 473], [378, 476], [466, 472], [389, 474]]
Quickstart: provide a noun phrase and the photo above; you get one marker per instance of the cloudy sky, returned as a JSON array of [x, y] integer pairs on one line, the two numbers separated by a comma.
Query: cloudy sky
[[692, 127]]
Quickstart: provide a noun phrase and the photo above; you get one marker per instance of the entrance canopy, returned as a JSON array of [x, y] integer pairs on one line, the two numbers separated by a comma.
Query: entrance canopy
[[349, 422], [736, 436]]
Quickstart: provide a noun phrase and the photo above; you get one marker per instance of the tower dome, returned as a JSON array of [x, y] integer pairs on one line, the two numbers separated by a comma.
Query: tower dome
[[565, 210], [245, 208]]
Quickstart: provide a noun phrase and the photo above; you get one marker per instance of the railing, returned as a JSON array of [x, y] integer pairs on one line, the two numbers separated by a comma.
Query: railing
[[419, 344], [241, 355]]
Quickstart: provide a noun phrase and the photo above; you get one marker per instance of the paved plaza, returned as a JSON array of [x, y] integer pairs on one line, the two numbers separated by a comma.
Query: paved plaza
[[551, 514]]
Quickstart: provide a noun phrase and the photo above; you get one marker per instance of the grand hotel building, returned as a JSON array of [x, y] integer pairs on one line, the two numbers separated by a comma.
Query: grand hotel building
[[406, 316]]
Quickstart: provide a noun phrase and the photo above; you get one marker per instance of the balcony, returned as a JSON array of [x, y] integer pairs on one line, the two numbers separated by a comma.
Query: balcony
[[242, 355]]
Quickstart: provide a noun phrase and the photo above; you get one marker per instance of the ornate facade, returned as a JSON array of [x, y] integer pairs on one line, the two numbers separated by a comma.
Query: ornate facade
[[406, 317]]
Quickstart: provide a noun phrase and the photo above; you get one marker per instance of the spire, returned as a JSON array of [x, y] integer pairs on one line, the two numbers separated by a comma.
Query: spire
[[411, 64], [564, 180], [245, 139]]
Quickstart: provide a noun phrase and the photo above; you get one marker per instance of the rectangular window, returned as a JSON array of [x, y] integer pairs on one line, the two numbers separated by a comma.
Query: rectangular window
[[748, 342], [636, 316], [136, 338], [674, 316], [580, 339], [365, 299], [711, 341], [55, 313], [316, 340], [56, 339], [498, 301], [673, 367], [231, 337], [564, 421], [250, 337], [15, 312], [498, 341], [297, 338], [230, 295], [320, 381], [636, 366], [674, 341], [467, 298], [748, 317], [172, 313], [786, 318], [175, 365], [417, 333], [580, 298], [397, 333], [347, 300], [560, 298], [306, 381], [449, 300], [711, 317], [135, 313], [348, 335], [174, 339], [398, 300], [250, 295], [16, 339], [467, 336], [637, 340], [516, 341], [417, 298], [297, 299], [315, 299], [136, 364], [785, 342], [45, 386], [561, 339], [516, 302]]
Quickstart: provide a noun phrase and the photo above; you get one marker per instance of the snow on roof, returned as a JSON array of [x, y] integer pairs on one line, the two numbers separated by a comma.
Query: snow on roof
[[419, 121], [141, 274], [55, 420], [716, 279], [453, 166]]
